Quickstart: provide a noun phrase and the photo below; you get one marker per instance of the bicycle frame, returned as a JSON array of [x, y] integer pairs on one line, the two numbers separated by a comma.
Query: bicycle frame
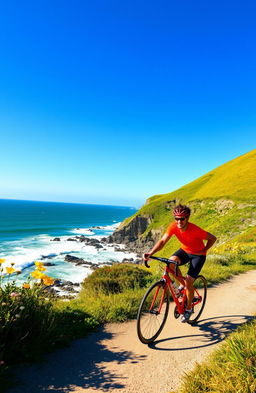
[[168, 285]]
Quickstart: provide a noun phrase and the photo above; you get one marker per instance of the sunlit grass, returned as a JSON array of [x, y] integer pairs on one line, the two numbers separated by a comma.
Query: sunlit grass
[[230, 369], [112, 294]]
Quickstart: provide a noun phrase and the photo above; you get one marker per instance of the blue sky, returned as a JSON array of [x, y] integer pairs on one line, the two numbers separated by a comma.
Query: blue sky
[[111, 102]]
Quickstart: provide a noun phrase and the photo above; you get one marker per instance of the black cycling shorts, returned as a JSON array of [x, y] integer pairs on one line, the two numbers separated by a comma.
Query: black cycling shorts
[[196, 262]]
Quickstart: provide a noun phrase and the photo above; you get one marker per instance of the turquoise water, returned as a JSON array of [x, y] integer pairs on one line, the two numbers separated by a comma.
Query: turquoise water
[[28, 228], [28, 218]]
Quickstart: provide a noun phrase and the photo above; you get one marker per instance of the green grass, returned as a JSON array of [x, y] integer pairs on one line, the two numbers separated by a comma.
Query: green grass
[[112, 294], [230, 369], [115, 279], [222, 201]]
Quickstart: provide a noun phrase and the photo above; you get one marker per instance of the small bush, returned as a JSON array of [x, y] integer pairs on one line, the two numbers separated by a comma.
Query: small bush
[[30, 321], [116, 279], [109, 308], [26, 321]]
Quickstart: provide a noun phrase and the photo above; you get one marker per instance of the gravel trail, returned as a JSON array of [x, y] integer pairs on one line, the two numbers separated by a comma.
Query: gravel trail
[[114, 360]]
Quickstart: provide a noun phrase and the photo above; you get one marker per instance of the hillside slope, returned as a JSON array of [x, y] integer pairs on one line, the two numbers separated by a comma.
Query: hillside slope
[[222, 202]]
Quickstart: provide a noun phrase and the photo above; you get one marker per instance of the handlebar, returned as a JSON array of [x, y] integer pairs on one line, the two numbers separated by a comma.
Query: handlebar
[[164, 260]]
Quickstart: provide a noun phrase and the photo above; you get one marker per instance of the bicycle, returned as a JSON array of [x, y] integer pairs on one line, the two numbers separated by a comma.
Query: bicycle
[[154, 307]]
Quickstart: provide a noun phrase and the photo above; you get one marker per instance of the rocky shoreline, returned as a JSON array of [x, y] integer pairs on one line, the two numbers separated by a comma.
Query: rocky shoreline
[[69, 289]]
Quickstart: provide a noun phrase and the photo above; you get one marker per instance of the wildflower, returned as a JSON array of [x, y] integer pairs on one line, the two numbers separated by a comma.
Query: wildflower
[[14, 294], [10, 270], [26, 285], [48, 280], [17, 316], [2, 260], [2, 362], [37, 274], [22, 308], [40, 266], [3, 304]]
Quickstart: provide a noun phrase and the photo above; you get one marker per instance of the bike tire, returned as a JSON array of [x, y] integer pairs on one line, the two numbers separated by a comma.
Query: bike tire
[[200, 285], [150, 322]]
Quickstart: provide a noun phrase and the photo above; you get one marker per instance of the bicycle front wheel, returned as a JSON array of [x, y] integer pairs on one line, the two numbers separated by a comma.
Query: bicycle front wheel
[[153, 312], [200, 286]]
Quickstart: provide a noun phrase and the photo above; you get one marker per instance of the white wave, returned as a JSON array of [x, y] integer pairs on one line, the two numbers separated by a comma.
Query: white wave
[[23, 253], [26, 251], [108, 228], [82, 231]]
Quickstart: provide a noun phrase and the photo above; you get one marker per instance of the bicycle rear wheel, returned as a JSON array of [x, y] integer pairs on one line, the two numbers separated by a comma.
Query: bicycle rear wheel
[[153, 312], [200, 285]]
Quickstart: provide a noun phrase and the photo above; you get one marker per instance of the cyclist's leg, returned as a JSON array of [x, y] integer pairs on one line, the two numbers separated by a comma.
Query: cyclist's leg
[[189, 291], [181, 257], [196, 264]]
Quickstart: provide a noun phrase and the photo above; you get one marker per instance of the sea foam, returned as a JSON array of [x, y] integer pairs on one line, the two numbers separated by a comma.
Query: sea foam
[[24, 252]]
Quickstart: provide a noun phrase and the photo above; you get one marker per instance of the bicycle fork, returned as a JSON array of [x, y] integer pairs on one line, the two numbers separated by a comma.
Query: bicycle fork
[[151, 310]]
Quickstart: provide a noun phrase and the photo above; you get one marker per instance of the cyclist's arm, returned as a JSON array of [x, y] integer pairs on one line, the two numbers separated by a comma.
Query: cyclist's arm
[[157, 247], [211, 239]]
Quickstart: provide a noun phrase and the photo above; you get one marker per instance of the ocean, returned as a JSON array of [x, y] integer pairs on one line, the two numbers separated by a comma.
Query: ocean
[[28, 228]]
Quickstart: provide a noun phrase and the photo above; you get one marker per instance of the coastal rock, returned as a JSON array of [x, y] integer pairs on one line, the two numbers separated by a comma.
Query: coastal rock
[[61, 286], [127, 260], [130, 235], [130, 232], [49, 256], [49, 264], [80, 261], [87, 240], [98, 246], [71, 239], [56, 239], [71, 258]]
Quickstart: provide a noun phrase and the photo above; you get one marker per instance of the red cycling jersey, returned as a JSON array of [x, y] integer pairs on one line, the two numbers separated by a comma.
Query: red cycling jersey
[[191, 239]]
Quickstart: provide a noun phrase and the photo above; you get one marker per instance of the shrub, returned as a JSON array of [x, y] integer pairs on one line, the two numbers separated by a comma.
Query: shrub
[[109, 308], [26, 321], [116, 279], [30, 322]]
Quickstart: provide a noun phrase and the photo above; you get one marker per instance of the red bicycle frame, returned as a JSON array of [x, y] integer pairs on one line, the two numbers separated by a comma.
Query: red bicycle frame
[[167, 283]]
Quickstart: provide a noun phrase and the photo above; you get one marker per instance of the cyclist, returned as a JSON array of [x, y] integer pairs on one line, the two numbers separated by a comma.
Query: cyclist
[[193, 250]]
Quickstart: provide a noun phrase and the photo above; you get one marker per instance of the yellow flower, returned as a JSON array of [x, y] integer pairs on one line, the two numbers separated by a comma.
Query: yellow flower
[[2, 260], [48, 280], [37, 274], [38, 263], [40, 266], [10, 270], [26, 285]]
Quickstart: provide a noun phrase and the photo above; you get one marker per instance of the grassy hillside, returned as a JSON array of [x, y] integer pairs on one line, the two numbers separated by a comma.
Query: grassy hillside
[[222, 202]]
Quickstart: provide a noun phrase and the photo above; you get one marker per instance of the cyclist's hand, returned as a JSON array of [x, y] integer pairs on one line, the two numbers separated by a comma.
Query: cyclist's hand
[[146, 256]]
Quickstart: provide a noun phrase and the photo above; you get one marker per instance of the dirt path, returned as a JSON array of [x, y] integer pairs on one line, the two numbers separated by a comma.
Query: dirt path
[[113, 359]]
